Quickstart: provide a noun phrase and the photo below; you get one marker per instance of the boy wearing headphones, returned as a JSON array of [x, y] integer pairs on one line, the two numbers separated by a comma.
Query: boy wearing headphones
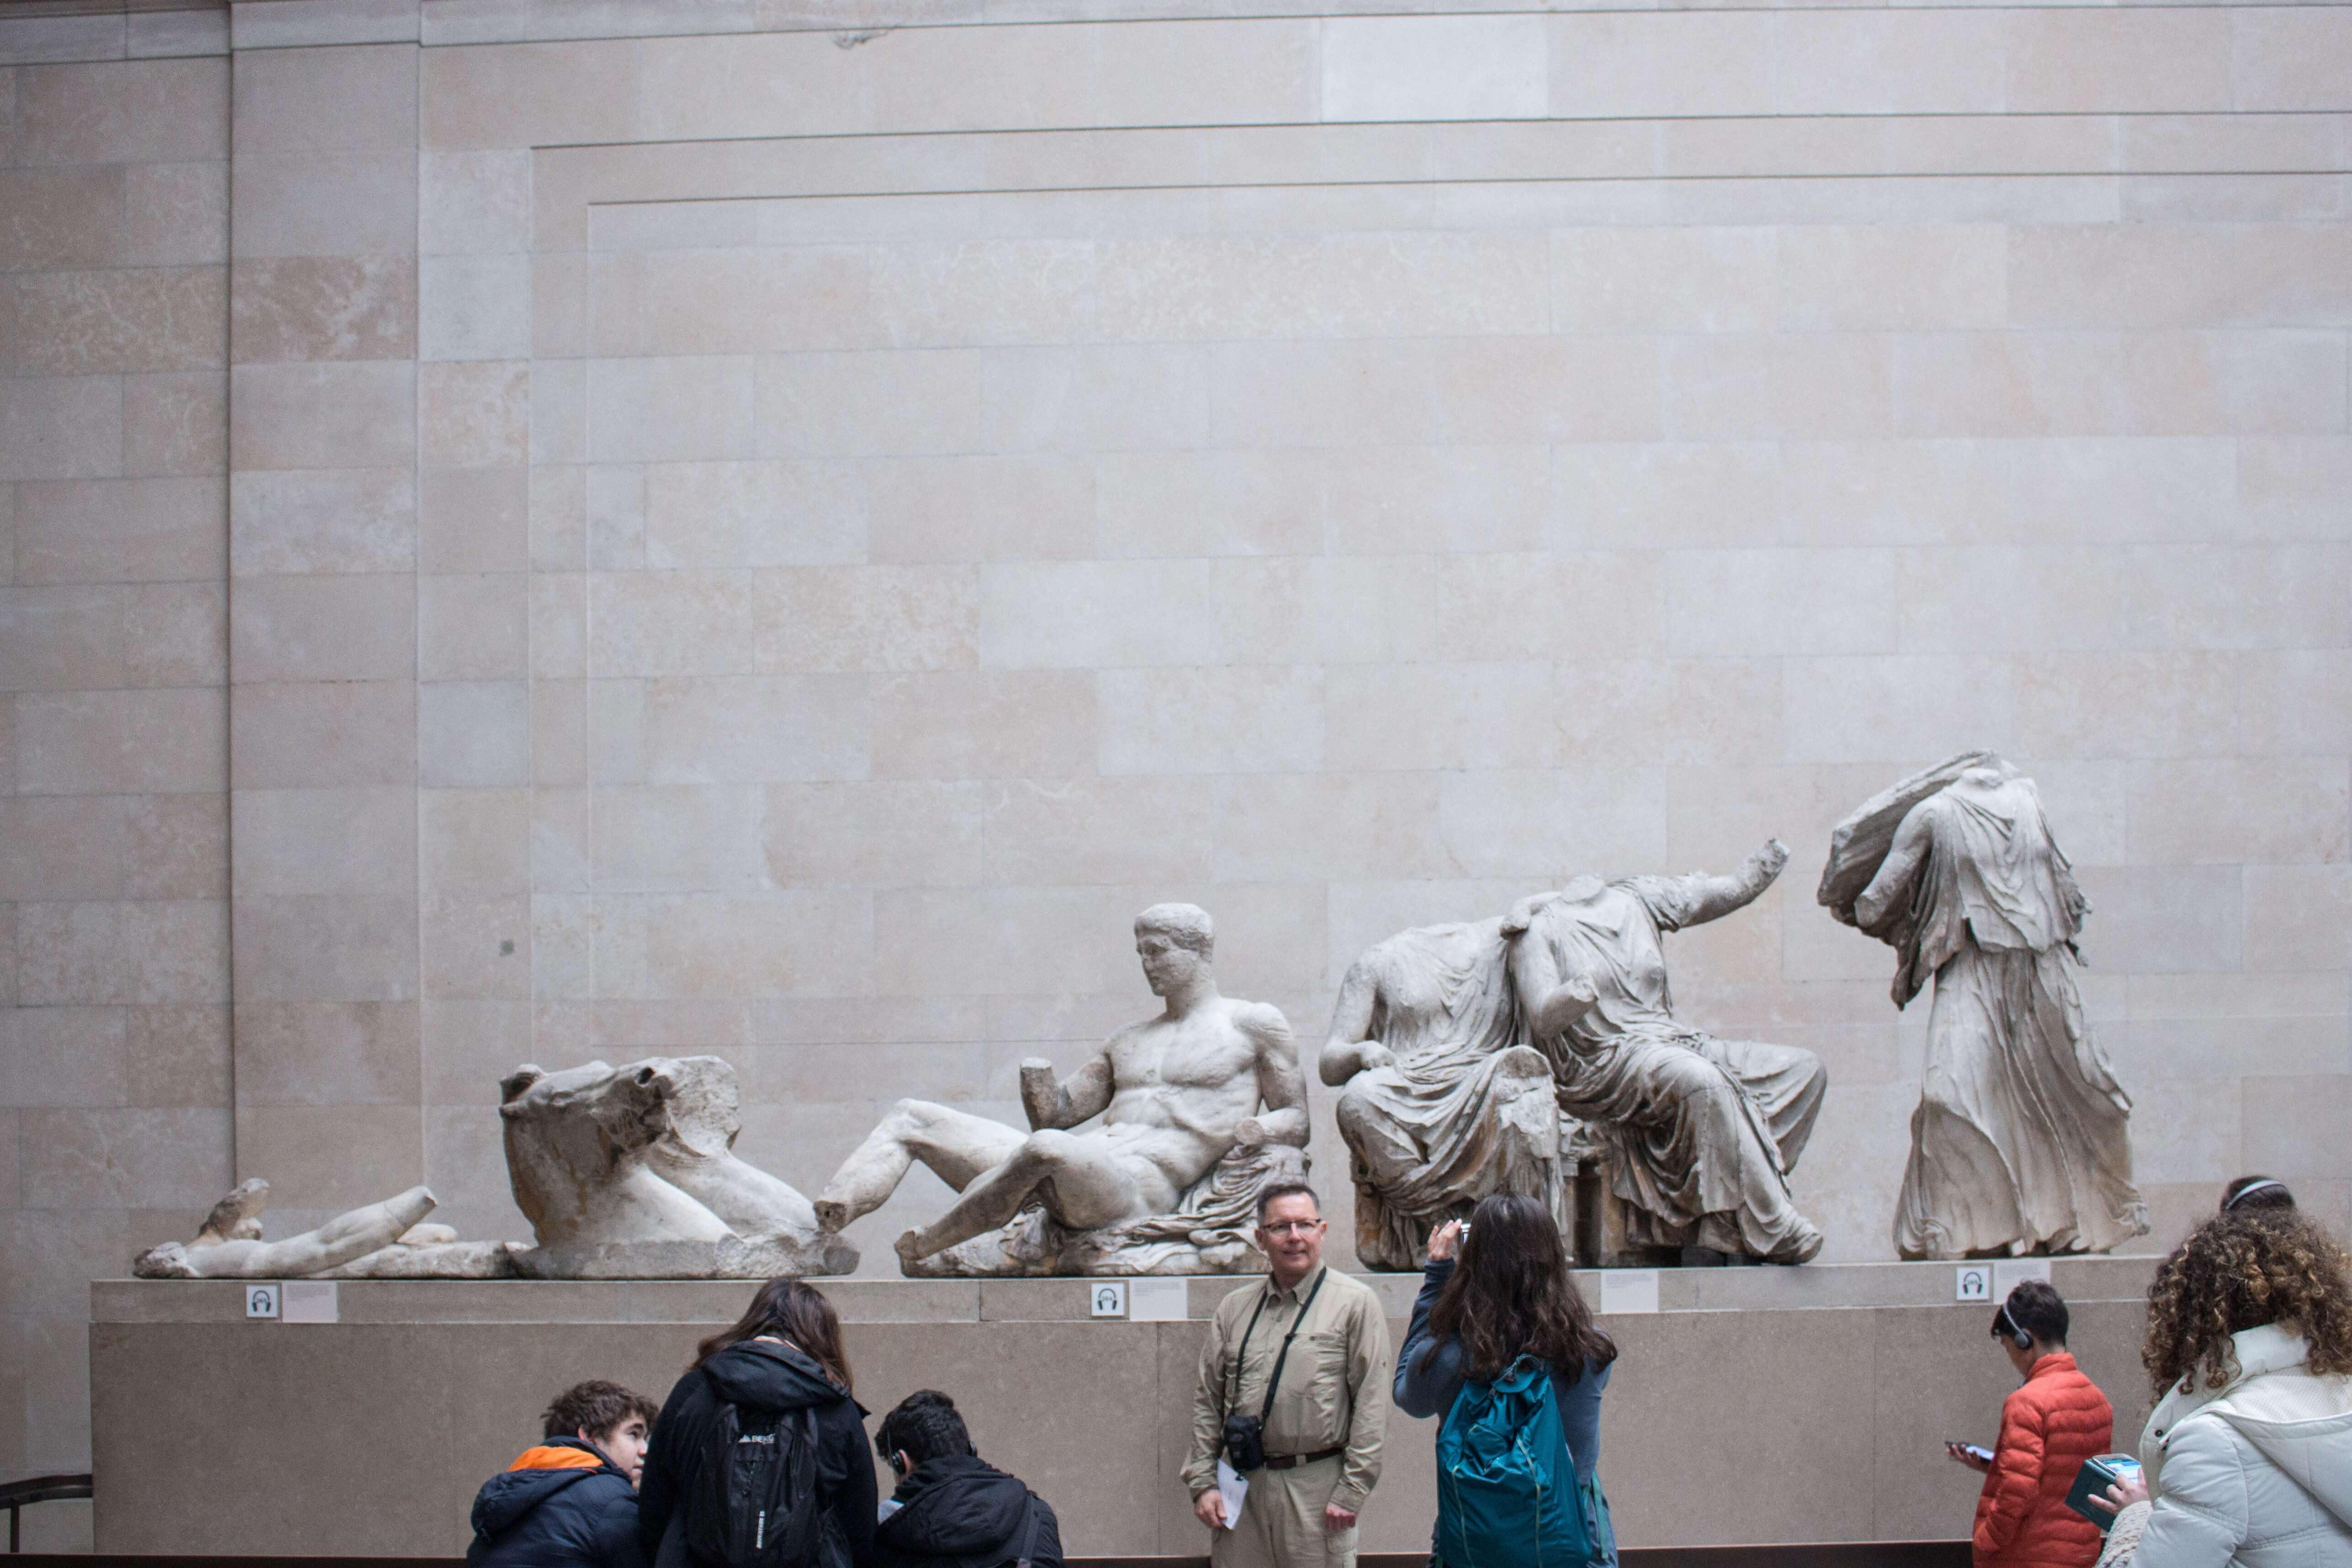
[[951, 1510], [2048, 1428]]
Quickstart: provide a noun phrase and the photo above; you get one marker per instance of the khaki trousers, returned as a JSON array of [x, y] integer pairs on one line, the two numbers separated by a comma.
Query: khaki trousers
[[1282, 1522]]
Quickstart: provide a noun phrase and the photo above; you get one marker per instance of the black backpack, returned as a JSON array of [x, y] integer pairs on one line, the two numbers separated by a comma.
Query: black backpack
[[753, 1504]]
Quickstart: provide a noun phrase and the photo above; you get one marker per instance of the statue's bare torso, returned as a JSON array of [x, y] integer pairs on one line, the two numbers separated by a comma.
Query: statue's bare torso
[[1181, 1088]]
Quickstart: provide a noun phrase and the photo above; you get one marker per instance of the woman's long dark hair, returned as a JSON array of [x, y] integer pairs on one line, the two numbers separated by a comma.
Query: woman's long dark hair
[[796, 1313], [1511, 1295]]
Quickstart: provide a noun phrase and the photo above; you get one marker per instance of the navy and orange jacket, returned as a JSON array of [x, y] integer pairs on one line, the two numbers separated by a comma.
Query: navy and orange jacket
[[560, 1505], [2047, 1429]]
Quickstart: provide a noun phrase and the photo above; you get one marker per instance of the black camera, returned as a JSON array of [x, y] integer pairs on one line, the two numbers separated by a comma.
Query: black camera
[[1246, 1443]]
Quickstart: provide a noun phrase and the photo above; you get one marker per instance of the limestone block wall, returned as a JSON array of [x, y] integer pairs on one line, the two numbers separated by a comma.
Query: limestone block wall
[[775, 529], [114, 1035]]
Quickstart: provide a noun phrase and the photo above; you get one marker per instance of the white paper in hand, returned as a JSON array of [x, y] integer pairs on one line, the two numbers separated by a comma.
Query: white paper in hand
[[1232, 1485]]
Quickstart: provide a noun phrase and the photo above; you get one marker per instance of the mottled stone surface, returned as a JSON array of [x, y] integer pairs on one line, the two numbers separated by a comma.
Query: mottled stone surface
[[1695, 1379]]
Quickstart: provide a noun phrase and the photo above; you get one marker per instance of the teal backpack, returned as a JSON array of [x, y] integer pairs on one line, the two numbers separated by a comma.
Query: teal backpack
[[1507, 1492]]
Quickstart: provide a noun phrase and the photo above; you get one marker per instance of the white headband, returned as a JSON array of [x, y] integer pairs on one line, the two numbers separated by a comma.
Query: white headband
[[2248, 1190]]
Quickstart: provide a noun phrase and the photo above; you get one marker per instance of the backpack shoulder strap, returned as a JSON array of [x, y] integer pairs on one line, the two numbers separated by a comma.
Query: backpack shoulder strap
[[1036, 1523]]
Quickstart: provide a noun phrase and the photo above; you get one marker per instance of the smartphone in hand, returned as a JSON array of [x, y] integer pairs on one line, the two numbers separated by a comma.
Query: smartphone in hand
[[1982, 1455]]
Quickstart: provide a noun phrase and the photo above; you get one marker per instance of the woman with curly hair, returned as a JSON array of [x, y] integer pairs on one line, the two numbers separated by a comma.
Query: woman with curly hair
[[2248, 1455]]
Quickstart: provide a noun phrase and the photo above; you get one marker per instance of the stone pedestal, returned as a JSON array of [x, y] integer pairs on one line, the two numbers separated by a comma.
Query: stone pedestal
[[1811, 1403]]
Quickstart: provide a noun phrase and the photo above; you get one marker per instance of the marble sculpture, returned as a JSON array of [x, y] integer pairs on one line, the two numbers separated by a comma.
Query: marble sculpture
[[1201, 1106], [630, 1173], [383, 1241], [1441, 1101], [624, 1172], [2020, 1141], [1439, 1034]]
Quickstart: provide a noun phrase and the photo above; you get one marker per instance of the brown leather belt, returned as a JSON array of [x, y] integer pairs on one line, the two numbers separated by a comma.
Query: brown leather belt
[[1292, 1461]]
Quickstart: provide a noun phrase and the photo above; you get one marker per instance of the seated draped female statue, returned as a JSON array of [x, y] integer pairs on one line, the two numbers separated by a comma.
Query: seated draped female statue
[[1442, 1033]]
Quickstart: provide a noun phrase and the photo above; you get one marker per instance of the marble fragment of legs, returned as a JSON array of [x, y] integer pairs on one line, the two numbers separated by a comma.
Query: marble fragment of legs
[[340, 1241], [996, 1168]]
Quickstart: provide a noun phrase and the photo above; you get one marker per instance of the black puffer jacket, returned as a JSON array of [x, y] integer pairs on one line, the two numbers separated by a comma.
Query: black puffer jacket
[[757, 1374], [962, 1512], [543, 1516]]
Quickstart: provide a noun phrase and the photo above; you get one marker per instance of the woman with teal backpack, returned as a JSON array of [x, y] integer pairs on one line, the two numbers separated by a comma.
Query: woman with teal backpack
[[1503, 1347]]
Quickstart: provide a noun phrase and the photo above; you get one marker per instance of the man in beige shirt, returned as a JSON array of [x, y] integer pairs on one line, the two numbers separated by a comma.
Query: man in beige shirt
[[1323, 1429]]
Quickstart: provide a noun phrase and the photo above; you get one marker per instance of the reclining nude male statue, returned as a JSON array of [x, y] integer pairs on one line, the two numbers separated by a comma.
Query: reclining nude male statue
[[1201, 1106]]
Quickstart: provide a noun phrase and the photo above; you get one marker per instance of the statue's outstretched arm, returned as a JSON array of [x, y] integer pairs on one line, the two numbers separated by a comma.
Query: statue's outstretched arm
[[1349, 1049], [1083, 1093], [1705, 898], [1281, 1087]]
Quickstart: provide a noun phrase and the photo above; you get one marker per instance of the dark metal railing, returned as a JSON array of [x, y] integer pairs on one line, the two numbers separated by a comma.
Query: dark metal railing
[[16, 1496]]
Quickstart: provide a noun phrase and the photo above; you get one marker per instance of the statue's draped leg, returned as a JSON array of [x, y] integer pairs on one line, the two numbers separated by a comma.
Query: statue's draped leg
[[2020, 1139], [1426, 1145]]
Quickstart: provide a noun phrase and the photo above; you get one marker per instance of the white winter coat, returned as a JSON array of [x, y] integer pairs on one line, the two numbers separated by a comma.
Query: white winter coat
[[2257, 1474]]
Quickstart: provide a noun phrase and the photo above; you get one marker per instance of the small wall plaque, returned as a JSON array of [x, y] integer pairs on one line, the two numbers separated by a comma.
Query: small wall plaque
[[308, 1300], [1159, 1301], [2008, 1273], [1629, 1290], [1108, 1298]]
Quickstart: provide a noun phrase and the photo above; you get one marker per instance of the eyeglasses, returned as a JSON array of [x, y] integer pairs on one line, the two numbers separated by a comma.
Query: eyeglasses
[[1293, 1227]]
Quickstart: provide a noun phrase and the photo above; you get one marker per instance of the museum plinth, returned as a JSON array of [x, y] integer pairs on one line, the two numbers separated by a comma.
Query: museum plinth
[[1755, 1405]]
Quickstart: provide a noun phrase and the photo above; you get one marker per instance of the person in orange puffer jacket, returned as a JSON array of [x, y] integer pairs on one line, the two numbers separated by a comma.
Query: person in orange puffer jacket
[[2047, 1429]]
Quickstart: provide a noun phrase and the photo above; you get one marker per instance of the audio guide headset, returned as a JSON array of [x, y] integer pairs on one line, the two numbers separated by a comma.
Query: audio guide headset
[[2252, 1189], [2005, 1327]]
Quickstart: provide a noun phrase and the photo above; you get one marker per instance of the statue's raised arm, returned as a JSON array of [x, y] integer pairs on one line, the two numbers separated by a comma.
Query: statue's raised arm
[[1703, 898], [1065, 1102]]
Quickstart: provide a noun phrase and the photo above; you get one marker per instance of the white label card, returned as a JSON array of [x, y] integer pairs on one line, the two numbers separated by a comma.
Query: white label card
[[310, 1301], [1159, 1301], [2008, 1273], [1629, 1290], [1972, 1282], [1107, 1298]]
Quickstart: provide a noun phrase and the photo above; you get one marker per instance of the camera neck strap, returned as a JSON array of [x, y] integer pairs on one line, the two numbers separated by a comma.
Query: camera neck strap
[[1273, 1381]]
